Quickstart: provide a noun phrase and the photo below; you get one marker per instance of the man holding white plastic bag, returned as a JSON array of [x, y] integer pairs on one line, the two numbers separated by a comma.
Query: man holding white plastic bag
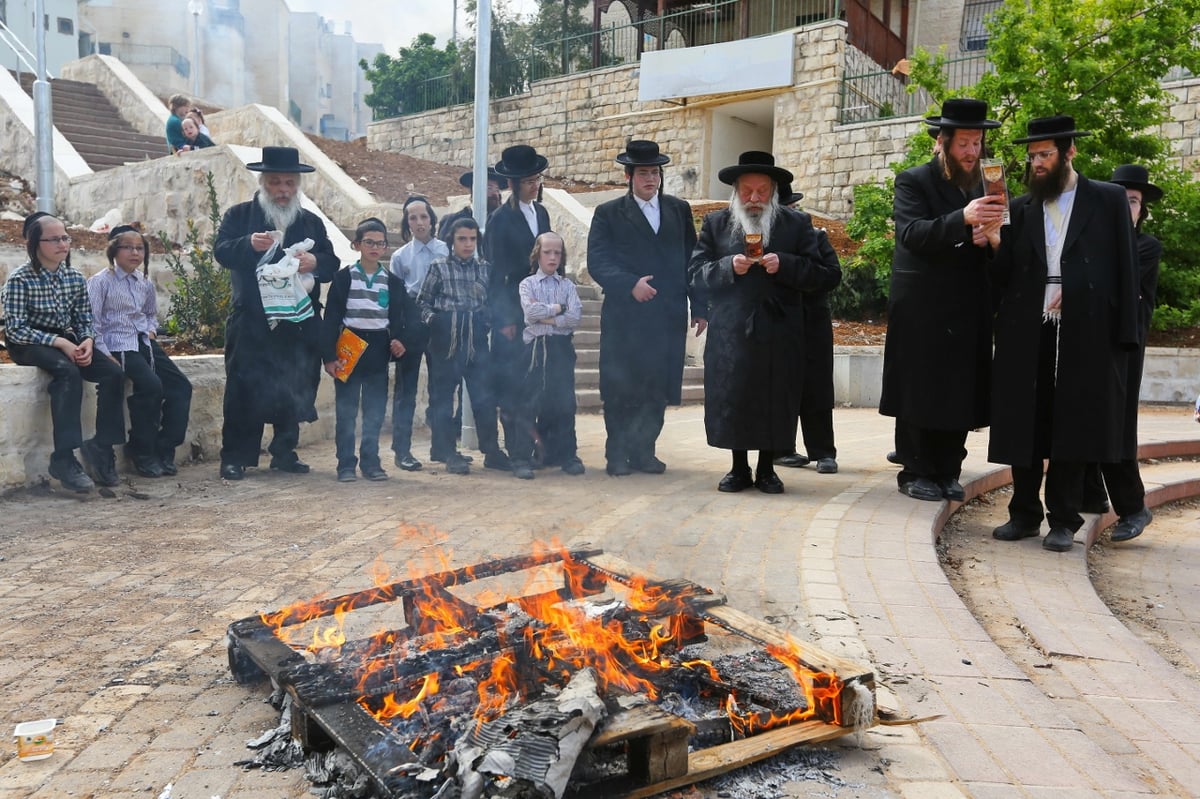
[[272, 366]]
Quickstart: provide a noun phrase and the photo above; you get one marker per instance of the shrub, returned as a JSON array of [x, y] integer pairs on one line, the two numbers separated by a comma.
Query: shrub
[[201, 298]]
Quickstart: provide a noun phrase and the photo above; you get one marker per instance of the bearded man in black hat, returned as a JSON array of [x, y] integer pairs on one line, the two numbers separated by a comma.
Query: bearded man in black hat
[[495, 184], [271, 369], [511, 232], [1122, 479], [754, 260], [638, 251], [938, 352], [1066, 321]]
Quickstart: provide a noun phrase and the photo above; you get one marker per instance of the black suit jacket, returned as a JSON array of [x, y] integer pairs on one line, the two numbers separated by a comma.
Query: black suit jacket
[[508, 245]]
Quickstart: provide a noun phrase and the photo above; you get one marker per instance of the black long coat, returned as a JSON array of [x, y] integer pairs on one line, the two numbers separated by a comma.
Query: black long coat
[[754, 353], [643, 344], [1098, 330], [818, 336], [1149, 252], [937, 358], [508, 245], [273, 374]]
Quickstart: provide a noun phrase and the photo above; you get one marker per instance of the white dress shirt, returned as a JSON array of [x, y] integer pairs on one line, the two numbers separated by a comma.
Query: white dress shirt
[[650, 209]]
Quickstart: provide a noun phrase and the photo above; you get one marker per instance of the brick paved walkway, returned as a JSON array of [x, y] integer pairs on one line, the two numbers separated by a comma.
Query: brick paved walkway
[[115, 609]]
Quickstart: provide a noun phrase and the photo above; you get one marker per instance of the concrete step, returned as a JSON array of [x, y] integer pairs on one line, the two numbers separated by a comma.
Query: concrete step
[[587, 339]]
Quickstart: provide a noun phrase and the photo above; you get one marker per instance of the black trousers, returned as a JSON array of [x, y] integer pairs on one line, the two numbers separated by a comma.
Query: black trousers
[[404, 397], [507, 367], [816, 428], [932, 454], [1121, 482], [458, 351], [160, 403], [1064, 494], [632, 427], [66, 394], [546, 405]]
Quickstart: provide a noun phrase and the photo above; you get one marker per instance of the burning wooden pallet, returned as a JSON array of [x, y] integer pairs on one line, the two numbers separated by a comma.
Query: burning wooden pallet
[[380, 697]]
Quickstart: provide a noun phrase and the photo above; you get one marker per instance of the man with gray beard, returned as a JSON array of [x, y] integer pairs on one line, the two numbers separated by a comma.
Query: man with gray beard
[[271, 370], [755, 259]]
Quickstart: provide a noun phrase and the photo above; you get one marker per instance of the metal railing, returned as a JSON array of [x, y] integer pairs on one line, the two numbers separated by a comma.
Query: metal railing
[[617, 44], [13, 42], [882, 94], [148, 54]]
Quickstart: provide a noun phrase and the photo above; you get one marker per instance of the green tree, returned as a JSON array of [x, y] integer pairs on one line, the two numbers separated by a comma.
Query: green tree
[[1102, 62], [415, 80], [202, 294]]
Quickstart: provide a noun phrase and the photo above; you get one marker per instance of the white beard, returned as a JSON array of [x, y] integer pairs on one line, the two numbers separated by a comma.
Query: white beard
[[744, 222], [282, 217]]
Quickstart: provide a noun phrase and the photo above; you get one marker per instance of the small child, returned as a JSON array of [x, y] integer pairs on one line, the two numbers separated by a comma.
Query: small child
[[368, 300], [454, 303], [547, 388]]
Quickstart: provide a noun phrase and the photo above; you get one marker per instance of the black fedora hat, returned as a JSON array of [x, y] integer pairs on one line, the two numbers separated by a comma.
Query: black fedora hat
[[280, 159], [1134, 176], [1060, 126], [963, 112], [641, 152], [789, 197], [521, 161], [467, 180], [755, 162]]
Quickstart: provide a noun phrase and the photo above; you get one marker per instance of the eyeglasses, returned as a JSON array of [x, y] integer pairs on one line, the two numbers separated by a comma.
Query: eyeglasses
[[373, 242], [57, 240], [1043, 155], [133, 247]]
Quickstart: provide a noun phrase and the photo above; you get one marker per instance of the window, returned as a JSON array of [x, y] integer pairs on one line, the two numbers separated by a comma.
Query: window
[[974, 35], [66, 26]]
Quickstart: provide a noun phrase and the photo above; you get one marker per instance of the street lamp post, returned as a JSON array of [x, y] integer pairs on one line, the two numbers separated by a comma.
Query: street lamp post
[[195, 8]]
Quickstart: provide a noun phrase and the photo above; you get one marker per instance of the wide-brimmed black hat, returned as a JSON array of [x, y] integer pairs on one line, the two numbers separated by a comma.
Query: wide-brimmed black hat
[[521, 161], [1134, 176], [467, 180], [755, 162], [641, 152], [963, 112], [280, 159], [789, 197], [1055, 127]]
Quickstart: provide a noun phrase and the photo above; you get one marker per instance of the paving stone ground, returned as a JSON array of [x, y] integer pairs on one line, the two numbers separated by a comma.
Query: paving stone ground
[[114, 609]]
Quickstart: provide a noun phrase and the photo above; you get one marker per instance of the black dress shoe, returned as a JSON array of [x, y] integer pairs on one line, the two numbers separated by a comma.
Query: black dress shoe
[[1015, 531], [101, 461], [618, 468], [651, 465], [70, 473], [522, 471], [167, 462], [231, 471], [497, 460], [769, 483], [573, 466], [457, 464], [1059, 539], [735, 481], [293, 465], [922, 488], [952, 490], [147, 465], [893, 457], [408, 463], [1131, 526], [793, 461], [826, 466]]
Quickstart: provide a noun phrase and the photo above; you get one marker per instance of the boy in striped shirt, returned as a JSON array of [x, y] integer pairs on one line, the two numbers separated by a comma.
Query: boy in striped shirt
[[367, 299]]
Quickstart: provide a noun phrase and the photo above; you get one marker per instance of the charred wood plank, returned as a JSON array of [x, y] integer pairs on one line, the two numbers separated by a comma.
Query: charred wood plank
[[657, 741], [255, 653]]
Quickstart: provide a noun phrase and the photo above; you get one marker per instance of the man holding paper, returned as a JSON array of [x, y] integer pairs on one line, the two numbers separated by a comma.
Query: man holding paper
[[272, 367], [937, 356]]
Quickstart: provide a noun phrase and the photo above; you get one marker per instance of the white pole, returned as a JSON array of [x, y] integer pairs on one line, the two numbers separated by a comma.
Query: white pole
[[483, 58], [43, 116]]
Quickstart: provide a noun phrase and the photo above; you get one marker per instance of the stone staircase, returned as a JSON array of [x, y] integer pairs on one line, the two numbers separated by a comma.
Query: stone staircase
[[92, 124], [587, 364]]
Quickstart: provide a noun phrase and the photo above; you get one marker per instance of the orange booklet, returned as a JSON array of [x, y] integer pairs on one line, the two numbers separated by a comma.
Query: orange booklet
[[350, 347]]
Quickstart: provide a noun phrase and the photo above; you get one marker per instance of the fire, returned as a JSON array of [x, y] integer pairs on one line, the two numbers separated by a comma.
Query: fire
[[628, 649]]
